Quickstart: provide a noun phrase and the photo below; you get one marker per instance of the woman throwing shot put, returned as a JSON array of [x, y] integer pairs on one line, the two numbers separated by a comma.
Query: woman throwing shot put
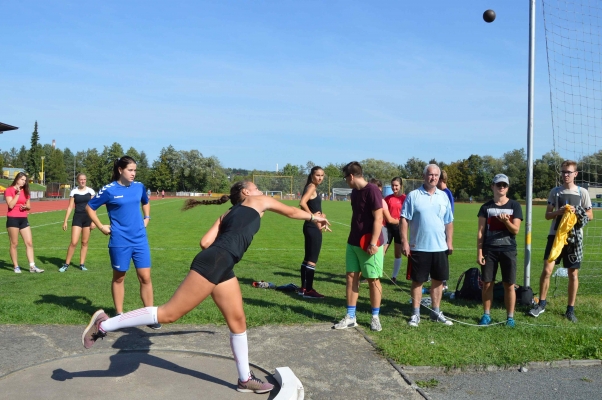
[[212, 275], [128, 240], [312, 203], [17, 199], [81, 224], [395, 203]]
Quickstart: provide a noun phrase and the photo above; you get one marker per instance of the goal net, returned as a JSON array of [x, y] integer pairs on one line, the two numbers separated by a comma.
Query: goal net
[[573, 33], [341, 194]]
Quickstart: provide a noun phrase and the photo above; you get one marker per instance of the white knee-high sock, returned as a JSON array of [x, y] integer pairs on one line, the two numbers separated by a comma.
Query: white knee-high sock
[[240, 350], [396, 267], [141, 316]]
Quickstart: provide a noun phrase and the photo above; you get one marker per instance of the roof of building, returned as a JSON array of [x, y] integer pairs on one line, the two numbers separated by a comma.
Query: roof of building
[[6, 127]]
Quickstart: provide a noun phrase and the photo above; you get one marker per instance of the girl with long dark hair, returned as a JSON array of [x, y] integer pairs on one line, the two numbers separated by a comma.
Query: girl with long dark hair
[[17, 199], [395, 203], [212, 275], [127, 230]]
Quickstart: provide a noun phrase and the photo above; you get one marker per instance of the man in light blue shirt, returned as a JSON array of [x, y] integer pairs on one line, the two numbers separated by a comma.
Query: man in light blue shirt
[[427, 213]]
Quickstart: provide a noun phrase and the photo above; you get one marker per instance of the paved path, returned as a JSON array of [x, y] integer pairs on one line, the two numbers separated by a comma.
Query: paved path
[[194, 361], [189, 361]]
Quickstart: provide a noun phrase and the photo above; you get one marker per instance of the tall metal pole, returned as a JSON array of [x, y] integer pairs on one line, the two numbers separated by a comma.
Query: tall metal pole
[[529, 197]]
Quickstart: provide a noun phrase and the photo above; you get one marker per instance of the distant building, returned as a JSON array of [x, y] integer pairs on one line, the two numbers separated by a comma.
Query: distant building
[[10, 173]]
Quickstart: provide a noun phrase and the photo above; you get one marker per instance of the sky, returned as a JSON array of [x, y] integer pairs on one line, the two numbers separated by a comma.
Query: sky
[[259, 84]]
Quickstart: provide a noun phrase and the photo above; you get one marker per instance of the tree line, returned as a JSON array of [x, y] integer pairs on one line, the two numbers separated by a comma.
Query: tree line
[[190, 171]]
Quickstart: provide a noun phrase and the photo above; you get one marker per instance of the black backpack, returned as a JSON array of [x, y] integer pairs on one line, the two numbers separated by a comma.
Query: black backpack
[[472, 285]]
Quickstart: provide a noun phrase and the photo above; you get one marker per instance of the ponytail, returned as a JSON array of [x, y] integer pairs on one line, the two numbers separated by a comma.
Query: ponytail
[[191, 203], [235, 197]]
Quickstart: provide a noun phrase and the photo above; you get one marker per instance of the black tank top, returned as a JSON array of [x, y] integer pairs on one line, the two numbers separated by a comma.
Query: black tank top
[[314, 205], [237, 230]]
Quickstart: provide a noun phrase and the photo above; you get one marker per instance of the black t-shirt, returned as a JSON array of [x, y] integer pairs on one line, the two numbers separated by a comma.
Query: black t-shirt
[[497, 236]]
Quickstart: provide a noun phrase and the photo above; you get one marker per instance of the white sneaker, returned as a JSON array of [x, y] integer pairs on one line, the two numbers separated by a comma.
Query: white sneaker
[[375, 325], [414, 321], [439, 317], [35, 270], [345, 323]]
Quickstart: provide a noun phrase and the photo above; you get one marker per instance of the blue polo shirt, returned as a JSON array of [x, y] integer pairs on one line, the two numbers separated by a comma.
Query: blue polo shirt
[[123, 206], [427, 216]]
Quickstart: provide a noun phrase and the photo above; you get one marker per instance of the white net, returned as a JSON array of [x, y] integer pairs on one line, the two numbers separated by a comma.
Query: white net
[[573, 31]]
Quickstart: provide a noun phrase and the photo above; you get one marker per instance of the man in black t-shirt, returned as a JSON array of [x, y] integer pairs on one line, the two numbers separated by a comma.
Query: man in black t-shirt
[[499, 222]]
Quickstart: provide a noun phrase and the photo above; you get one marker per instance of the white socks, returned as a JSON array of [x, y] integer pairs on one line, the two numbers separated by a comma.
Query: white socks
[[141, 316], [240, 350], [396, 267]]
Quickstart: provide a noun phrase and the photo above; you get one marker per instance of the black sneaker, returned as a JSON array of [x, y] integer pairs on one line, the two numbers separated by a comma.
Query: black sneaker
[[156, 326], [535, 311], [570, 315]]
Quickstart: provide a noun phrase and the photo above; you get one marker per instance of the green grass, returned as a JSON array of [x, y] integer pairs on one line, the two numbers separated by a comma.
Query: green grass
[[275, 256]]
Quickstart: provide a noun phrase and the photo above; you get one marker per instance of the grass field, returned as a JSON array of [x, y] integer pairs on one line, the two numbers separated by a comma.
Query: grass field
[[275, 256]]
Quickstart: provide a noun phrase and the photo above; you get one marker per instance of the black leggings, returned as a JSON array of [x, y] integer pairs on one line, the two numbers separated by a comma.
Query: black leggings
[[313, 242]]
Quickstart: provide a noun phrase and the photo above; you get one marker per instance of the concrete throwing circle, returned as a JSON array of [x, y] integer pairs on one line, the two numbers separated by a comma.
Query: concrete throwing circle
[[130, 375]]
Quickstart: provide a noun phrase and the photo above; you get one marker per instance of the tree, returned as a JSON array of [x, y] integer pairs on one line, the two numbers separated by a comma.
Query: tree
[[379, 169], [515, 167], [291, 170], [34, 158], [415, 168], [55, 167], [544, 174]]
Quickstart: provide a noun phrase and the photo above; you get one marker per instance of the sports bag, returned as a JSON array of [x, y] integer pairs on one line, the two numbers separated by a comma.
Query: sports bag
[[472, 285]]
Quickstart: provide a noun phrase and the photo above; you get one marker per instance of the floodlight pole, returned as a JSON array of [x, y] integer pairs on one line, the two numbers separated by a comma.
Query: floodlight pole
[[529, 197]]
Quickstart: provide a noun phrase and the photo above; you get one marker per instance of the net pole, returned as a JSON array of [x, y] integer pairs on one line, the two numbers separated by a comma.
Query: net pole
[[529, 194]]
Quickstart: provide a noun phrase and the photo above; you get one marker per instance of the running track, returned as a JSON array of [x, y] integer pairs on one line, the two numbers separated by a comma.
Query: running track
[[41, 206], [45, 206]]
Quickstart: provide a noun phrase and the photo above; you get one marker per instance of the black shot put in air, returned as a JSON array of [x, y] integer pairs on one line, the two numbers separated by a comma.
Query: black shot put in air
[[489, 16]]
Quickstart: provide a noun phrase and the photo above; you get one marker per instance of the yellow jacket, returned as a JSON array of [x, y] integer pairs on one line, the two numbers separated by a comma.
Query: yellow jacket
[[569, 219]]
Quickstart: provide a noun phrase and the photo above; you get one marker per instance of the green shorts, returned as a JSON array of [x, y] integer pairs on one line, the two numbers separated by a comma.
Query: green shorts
[[357, 260]]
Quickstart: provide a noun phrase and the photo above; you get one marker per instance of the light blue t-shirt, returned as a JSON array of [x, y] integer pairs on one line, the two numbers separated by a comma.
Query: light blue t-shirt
[[123, 206], [427, 216]]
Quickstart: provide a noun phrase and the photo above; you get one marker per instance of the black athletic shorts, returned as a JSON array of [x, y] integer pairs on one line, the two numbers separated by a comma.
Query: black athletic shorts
[[17, 222], [394, 234], [421, 264], [505, 259], [313, 242], [82, 220], [214, 264], [567, 256]]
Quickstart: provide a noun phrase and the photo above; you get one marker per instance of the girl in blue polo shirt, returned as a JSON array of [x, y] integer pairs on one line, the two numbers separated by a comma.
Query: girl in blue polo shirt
[[127, 230]]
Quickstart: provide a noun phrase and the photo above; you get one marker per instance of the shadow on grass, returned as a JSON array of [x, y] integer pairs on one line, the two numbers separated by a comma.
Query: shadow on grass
[[76, 303], [134, 350], [7, 265], [58, 262]]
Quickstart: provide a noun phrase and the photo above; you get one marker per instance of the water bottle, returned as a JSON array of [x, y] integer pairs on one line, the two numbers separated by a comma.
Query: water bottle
[[426, 290]]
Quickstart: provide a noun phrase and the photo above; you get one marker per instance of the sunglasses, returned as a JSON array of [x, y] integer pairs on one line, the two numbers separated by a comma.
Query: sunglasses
[[501, 185], [566, 172]]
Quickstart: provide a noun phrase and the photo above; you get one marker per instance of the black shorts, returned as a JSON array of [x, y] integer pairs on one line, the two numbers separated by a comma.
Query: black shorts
[[214, 264], [421, 264], [17, 222], [507, 261], [313, 242], [567, 256], [394, 234], [82, 220]]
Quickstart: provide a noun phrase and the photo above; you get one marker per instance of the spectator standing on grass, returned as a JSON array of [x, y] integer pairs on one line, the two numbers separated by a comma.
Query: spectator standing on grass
[[311, 202], [212, 274], [81, 225], [17, 199], [366, 230], [162, 194], [128, 241], [395, 203], [148, 193], [499, 223], [427, 213], [577, 199]]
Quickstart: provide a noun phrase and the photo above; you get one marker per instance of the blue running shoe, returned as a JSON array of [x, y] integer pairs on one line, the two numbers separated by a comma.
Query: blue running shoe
[[485, 319], [510, 322]]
